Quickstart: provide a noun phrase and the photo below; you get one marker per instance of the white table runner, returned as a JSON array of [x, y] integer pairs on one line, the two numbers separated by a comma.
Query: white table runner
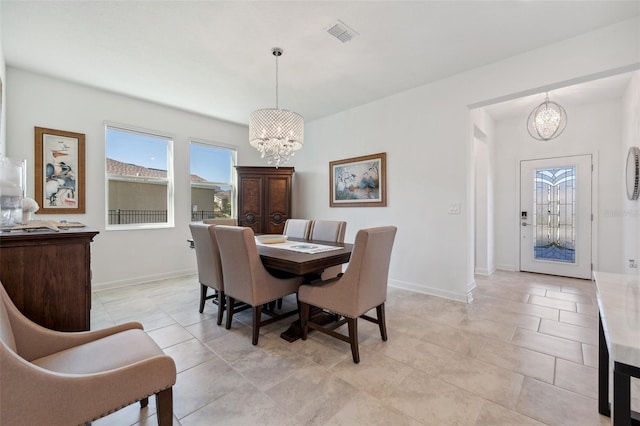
[[302, 247]]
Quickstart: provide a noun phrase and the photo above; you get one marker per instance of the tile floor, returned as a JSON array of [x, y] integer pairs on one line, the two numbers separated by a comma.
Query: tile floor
[[524, 352]]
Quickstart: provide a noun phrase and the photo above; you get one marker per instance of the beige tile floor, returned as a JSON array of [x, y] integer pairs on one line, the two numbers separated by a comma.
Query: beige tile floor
[[524, 352]]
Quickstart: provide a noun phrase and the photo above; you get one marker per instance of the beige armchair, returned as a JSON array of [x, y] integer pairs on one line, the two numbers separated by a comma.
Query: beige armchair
[[57, 378], [221, 221], [362, 288], [297, 228], [247, 280], [329, 230]]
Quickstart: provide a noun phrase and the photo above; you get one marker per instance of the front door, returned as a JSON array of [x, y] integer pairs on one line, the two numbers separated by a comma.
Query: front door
[[555, 216]]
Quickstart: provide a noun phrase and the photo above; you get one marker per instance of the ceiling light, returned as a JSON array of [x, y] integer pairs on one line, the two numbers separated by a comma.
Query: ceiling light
[[547, 120], [276, 133]]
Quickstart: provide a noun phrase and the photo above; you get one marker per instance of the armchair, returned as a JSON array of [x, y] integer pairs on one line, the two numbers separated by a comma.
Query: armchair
[[60, 378]]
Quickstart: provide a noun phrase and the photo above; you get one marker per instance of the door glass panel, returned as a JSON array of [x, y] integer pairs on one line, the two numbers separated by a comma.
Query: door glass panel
[[554, 214]]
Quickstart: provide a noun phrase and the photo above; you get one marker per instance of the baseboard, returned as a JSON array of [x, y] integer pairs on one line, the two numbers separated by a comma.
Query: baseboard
[[460, 297], [141, 280], [484, 272], [505, 267]]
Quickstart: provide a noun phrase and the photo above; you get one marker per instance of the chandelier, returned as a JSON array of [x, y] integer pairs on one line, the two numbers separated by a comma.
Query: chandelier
[[276, 133], [547, 120]]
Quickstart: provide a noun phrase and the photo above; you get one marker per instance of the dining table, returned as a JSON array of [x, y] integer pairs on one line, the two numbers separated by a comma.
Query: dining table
[[305, 264], [309, 265]]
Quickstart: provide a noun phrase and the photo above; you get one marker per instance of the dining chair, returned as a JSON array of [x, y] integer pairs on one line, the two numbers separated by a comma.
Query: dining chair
[[209, 266], [362, 287], [221, 221], [329, 230], [297, 228], [246, 279], [56, 378]]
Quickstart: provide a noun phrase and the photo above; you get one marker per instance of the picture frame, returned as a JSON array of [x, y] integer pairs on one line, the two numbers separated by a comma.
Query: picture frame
[[59, 171], [359, 181]]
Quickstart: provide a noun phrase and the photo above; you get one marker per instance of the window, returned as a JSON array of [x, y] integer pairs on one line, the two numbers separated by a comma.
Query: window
[[212, 181], [139, 168]]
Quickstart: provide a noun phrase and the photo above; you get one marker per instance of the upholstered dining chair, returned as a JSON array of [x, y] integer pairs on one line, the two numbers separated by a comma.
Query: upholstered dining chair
[[221, 221], [57, 378], [209, 266], [297, 228], [329, 230], [362, 288], [246, 279]]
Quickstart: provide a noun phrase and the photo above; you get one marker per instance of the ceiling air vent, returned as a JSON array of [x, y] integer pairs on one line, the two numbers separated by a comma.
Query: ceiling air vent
[[342, 32]]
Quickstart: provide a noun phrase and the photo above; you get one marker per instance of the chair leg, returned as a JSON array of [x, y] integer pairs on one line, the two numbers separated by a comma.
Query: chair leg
[[230, 302], [144, 402], [203, 296], [257, 313], [280, 303], [221, 303], [304, 318], [382, 323], [353, 338], [164, 407]]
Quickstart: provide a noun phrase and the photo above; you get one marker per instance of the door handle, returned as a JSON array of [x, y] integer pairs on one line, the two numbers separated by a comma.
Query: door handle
[[524, 223]]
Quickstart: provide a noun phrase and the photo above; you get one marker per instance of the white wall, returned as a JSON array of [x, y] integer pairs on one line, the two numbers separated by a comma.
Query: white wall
[[426, 133], [118, 257], [3, 103], [594, 128], [629, 213], [428, 140]]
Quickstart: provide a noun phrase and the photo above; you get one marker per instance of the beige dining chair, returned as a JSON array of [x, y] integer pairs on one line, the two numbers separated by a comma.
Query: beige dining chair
[[221, 221], [209, 266], [57, 378], [362, 288], [246, 279], [329, 230], [297, 228]]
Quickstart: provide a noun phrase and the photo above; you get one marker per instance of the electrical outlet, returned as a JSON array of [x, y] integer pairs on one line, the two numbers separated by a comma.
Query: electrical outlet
[[454, 208], [633, 264]]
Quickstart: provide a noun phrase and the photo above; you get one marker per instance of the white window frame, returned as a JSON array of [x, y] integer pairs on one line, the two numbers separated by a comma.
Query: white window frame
[[234, 179], [169, 180]]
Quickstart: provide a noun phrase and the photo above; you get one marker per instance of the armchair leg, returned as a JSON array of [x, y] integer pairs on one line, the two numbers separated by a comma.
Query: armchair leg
[[255, 326], [203, 296], [230, 302], [144, 402], [164, 407], [221, 303], [382, 323], [304, 318], [353, 338]]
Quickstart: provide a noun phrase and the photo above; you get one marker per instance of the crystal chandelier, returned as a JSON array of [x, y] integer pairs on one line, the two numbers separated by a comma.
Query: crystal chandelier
[[276, 133], [547, 121]]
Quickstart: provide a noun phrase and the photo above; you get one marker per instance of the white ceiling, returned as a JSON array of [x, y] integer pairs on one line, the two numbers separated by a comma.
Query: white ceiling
[[213, 57]]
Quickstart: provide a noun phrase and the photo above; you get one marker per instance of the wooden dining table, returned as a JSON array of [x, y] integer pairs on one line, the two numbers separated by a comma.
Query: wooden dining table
[[307, 265]]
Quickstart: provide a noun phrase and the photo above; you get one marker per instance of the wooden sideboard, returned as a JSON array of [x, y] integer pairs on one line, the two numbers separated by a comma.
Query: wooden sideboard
[[47, 274], [264, 198]]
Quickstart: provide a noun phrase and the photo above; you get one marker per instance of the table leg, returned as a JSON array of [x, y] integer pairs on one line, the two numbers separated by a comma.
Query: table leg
[[603, 373], [621, 396]]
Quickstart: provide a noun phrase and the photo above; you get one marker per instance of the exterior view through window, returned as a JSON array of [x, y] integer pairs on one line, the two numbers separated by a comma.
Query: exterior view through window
[[212, 182], [139, 178]]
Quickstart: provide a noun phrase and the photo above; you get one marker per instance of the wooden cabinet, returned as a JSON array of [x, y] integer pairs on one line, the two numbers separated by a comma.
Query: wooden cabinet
[[47, 274], [264, 198]]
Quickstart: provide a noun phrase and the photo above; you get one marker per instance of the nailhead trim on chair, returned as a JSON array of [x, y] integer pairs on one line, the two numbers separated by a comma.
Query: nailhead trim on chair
[[125, 405]]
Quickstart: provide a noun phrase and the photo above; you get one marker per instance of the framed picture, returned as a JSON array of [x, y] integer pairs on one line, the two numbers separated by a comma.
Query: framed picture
[[359, 181], [59, 171]]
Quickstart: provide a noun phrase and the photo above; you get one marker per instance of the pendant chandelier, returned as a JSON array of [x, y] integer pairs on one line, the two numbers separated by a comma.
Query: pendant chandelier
[[547, 120], [276, 133]]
